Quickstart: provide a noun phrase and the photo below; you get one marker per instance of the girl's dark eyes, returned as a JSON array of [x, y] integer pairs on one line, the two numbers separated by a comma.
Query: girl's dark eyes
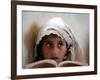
[[60, 44], [48, 44]]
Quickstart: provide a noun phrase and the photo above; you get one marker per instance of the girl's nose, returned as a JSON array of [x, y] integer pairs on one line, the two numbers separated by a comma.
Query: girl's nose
[[55, 50]]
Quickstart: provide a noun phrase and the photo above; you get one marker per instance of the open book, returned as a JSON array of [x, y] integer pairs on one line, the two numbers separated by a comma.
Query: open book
[[52, 63]]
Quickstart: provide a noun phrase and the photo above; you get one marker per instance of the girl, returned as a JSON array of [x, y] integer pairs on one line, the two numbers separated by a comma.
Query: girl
[[56, 41]]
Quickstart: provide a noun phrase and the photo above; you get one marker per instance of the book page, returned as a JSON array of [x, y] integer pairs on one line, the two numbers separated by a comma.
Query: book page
[[71, 64], [42, 64]]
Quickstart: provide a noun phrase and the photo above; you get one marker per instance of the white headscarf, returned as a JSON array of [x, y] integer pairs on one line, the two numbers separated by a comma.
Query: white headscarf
[[56, 26]]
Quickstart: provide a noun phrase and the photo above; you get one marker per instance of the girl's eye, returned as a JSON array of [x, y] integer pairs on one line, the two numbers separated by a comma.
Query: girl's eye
[[60, 44], [48, 45]]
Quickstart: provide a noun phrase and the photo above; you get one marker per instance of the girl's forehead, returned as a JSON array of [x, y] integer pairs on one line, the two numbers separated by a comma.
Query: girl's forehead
[[52, 37]]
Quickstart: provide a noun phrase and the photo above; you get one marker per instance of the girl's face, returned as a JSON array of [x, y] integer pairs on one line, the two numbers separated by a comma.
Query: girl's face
[[54, 48]]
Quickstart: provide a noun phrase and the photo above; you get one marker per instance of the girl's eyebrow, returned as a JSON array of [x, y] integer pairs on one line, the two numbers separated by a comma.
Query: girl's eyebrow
[[62, 40], [48, 41]]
